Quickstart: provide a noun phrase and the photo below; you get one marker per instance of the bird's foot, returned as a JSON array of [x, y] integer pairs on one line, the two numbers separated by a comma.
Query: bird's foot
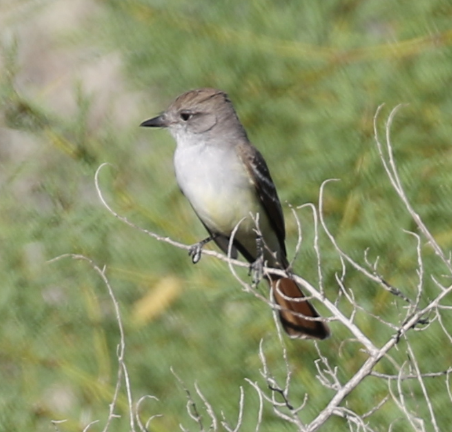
[[195, 250], [257, 267], [256, 270]]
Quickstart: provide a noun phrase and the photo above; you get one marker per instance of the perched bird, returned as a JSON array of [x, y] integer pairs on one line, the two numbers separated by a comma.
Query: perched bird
[[228, 184]]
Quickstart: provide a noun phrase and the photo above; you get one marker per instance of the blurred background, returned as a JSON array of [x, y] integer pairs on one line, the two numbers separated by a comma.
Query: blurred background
[[77, 78]]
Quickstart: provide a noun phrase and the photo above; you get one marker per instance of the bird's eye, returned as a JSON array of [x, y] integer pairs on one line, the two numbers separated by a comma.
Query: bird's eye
[[184, 115]]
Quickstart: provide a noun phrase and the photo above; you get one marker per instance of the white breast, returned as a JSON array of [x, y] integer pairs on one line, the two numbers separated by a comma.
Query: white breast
[[216, 184]]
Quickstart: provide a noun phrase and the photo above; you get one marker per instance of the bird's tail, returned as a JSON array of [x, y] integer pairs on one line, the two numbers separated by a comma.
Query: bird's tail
[[292, 313]]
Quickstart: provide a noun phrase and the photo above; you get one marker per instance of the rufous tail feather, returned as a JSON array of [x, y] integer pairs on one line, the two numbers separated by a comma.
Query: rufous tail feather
[[292, 312]]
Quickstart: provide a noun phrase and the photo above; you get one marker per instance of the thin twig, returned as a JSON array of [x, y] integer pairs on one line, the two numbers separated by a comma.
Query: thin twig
[[145, 428], [411, 376], [192, 409], [122, 369]]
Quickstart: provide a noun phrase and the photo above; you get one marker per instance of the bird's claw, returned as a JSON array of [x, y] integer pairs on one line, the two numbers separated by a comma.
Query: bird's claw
[[195, 252], [257, 267], [257, 270]]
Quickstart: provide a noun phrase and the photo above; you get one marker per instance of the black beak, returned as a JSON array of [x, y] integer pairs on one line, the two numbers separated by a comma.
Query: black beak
[[155, 122]]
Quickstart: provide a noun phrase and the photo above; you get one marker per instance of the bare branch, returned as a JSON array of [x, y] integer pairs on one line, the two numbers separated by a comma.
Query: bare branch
[[392, 172], [316, 244], [209, 409], [145, 428], [55, 424], [421, 383], [240, 419], [411, 376], [85, 429], [122, 369], [192, 409]]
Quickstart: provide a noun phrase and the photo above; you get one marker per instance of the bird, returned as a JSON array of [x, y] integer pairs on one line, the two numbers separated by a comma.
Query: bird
[[228, 184]]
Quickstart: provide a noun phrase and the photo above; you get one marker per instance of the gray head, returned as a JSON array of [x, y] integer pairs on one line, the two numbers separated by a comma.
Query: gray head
[[203, 111]]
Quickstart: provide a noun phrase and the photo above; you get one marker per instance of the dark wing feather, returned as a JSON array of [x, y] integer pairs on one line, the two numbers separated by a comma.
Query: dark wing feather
[[260, 176]]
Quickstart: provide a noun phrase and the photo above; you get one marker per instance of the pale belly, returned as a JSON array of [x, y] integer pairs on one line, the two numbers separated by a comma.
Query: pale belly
[[223, 197], [218, 190]]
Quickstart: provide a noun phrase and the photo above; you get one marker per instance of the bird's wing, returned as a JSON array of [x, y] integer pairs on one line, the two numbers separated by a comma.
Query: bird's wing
[[260, 177]]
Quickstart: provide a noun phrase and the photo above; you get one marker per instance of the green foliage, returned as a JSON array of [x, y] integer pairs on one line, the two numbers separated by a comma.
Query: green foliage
[[306, 79]]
